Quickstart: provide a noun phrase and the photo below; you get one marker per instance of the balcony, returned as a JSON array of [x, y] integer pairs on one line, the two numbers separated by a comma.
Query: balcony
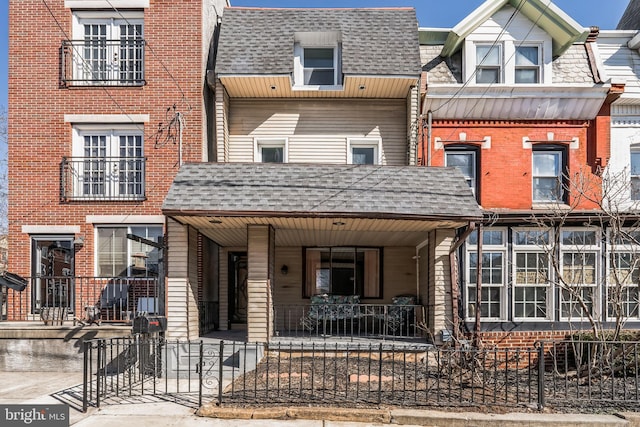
[[102, 62], [102, 179]]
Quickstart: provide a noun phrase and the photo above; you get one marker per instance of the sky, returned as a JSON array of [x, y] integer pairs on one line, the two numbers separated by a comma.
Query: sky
[[431, 13]]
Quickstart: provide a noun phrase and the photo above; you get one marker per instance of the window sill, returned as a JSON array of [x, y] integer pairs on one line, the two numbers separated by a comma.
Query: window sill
[[550, 206]]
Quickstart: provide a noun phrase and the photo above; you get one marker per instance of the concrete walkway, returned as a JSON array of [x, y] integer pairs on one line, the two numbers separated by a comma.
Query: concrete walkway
[[56, 388]]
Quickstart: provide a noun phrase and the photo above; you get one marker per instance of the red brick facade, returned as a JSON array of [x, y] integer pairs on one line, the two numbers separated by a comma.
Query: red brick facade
[[39, 137]]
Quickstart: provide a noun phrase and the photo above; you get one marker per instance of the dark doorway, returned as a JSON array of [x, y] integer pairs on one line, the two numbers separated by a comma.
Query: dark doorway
[[238, 272], [53, 260]]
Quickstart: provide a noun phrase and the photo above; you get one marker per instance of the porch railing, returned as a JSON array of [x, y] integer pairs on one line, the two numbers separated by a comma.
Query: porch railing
[[102, 178], [349, 320], [114, 299], [103, 62]]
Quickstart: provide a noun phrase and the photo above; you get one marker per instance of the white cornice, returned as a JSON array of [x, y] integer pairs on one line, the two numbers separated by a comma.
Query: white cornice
[[51, 229], [104, 4], [125, 219], [106, 118]]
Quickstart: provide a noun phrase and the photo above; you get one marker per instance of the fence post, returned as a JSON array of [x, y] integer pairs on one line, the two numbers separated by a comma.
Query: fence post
[[200, 366], [220, 362], [85, 375], [98, 377], [379, 374], [541, 369]]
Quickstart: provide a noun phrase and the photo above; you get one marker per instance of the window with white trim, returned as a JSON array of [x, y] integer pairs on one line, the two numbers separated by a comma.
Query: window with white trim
[[317, 60], [489, 63], [271, 150], [363, 151], [579, 266], [623, 279], [531, 270], [465, 161], [119, 256], [547, 174], [108, 163], [527, 66], [493, 269], [635, 172], [107, 48]]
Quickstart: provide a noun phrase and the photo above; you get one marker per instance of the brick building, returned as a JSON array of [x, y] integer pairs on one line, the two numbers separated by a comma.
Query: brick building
[[105, 100], [515, 98]]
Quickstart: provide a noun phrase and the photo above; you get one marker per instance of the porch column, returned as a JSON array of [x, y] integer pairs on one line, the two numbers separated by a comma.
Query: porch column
[[261, 257], [439, 312], [182, 310]]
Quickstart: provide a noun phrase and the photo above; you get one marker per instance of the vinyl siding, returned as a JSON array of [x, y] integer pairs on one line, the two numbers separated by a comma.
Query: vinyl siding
[[177, 281], [439, 307], [258, 283], [311, 128]]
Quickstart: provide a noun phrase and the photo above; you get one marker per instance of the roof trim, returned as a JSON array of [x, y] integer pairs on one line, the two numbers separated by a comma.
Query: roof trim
[[563, 29]]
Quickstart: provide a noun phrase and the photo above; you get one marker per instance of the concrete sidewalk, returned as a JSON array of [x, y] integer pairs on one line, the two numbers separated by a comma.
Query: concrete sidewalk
[[56, 388]]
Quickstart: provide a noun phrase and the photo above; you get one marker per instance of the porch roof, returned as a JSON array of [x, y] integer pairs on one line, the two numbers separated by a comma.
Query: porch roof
[[321, 190]]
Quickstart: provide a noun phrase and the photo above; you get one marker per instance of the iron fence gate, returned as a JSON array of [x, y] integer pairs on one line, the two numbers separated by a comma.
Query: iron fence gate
[[556, 374]]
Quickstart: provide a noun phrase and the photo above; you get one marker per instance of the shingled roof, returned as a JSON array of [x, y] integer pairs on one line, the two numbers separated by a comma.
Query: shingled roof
[[374, 41], [265, 189], [630, 19]]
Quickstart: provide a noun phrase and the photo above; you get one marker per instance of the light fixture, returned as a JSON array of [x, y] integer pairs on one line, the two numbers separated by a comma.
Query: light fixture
[[284, 269], [215, 221], [78, 242], [338, 223], [362, 87], [273, 87]]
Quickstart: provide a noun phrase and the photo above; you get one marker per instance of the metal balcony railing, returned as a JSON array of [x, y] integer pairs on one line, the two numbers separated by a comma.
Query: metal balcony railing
[[102, 178], [103, 62]]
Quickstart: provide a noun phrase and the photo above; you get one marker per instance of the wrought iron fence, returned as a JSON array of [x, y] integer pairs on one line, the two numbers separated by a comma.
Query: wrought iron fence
[[349, 320], [103, 62], [110, 299], [102, 178]]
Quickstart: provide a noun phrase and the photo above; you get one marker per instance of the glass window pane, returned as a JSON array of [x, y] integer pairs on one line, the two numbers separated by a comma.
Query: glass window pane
[[526, 75], [272, 154], [527, 55], [546, 163], [318, 58], [488, 75], [363, 155], [635, 163], [488, 55], [318, 77], [546, 189], [112, 252]]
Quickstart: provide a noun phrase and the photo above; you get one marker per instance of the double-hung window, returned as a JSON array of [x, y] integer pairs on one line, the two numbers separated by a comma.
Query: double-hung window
[[118, 256], [547, 175], [489, 63], [317, 60], [527, 66], [623, 279], [579, 259], [635, 172], [465, 161], [107, 164], [108, 48], [492, 273], [531, 271], [319, 66]]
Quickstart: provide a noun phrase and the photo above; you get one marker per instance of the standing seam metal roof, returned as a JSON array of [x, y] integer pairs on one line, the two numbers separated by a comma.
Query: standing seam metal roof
[[374, 41]]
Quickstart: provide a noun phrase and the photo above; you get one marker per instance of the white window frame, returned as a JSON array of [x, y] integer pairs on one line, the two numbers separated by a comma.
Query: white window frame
[[615, 248], [529, 249], [559, 177], [581, 249], [508, 56], [82, 69], [131, 245], [112, 135], [316, 40], [537, 67], [486, 248], [260, 143], [634, 178], [375, 143], [500, 66], [471, 180]]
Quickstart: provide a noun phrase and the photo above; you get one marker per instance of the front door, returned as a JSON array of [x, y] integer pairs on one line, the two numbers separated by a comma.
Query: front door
[[53, 261], [238, 274]]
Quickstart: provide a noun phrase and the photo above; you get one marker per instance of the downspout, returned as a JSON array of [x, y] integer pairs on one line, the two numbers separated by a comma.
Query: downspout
[[429, 126]]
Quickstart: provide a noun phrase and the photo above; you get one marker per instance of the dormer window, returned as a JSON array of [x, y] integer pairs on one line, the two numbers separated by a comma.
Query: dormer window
[[317, 60], [319, 66], [506, 62], [489, 60], [527, 67]]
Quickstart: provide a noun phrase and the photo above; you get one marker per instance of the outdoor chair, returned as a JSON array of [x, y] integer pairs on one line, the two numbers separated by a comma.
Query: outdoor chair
[[325, 309], [399, 315]]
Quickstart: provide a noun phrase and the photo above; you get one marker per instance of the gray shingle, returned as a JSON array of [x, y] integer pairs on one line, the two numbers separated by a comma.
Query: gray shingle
[[573, 66], [441, 70], [319, 189], [630, 19], [374, 41]]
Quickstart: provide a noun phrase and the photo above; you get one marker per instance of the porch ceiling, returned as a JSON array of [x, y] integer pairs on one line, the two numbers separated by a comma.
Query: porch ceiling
[[232, 230]]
